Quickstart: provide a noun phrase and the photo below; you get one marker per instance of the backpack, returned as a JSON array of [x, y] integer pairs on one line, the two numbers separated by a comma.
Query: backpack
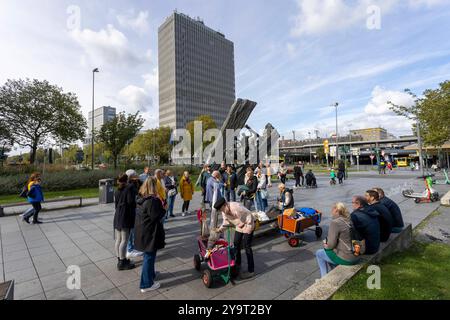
[[24, 192], [358, 247]]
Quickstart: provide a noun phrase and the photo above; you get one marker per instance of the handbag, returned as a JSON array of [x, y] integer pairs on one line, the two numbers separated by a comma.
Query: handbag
[[172, 193], [24, 192]]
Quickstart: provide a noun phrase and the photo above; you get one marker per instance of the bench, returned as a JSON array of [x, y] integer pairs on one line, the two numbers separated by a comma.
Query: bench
[[325, 288], [7, 290], [11, 205]]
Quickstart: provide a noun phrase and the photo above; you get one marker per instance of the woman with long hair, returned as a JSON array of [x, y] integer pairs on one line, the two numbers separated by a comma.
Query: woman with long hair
[[125, 203], [338, 247], [149, 231]]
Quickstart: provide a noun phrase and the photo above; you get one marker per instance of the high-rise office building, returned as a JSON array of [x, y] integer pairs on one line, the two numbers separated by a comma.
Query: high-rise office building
[[101, 116], [196, 72]]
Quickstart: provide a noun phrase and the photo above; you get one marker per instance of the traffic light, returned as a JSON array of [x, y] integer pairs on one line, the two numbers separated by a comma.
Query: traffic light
[[326, 147]]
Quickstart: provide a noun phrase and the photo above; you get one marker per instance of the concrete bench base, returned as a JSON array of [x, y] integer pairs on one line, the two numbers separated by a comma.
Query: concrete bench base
[[326, 287], [7, 290], [445, 200]]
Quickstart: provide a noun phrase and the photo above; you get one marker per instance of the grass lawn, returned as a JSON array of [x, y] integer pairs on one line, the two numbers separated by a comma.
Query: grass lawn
[[85, 193], [420, 273]]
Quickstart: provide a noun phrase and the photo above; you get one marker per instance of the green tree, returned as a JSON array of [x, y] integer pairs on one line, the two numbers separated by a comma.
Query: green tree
[[6, 142], [207, 124], [320, 154], [154, 142], [120, 132], [433, 113], [36, 112]]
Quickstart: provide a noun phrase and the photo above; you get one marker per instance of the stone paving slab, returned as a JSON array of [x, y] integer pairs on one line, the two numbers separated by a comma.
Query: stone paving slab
[[37, 256]]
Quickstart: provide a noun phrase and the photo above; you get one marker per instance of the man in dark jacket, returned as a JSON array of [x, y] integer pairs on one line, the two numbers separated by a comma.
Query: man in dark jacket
[[311, 180], [230, 181], [367, 226], [298, 174], [385, 218], [252, 185], [394, 209]]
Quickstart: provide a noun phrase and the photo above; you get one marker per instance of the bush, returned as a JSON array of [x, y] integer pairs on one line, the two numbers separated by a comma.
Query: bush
[[62, 180], [56, 181]]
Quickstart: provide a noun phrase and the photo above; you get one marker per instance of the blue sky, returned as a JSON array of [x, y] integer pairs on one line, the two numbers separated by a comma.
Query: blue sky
[[294, 57]]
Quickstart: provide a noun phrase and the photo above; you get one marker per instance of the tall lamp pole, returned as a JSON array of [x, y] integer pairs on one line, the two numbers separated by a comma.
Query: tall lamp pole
[[337, 134], [93, 110]]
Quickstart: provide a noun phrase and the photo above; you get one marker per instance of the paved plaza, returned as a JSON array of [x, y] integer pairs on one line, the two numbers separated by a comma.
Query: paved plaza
[[37, 257]]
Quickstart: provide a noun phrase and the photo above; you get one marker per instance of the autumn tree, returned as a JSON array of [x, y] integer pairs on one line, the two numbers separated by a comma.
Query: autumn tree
[[154, 142]]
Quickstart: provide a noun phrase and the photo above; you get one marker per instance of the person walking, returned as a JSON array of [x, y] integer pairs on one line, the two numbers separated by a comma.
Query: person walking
[[337, 248], [186, 192], [298, 174], [150, 234], [233, 213], [170, 182], [124, 218], [35, 196], [230, 182]]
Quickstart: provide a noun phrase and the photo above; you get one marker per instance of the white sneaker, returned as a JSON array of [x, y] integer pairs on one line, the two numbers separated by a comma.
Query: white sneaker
[[183, 214], [134, 254], [156, 286]]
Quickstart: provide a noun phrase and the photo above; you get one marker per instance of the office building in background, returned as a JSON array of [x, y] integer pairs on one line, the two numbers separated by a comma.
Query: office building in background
[[196, 72]]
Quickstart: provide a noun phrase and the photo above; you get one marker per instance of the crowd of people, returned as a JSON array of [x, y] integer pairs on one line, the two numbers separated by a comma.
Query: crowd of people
[[145, 202]]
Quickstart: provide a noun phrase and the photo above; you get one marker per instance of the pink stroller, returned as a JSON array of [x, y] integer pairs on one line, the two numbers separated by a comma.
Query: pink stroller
[[221, 263]]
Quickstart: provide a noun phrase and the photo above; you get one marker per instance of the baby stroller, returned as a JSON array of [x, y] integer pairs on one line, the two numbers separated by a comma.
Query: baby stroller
[[221, 263]]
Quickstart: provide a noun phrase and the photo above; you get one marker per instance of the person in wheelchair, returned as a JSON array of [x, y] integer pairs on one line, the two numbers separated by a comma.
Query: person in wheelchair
[[311, 181]]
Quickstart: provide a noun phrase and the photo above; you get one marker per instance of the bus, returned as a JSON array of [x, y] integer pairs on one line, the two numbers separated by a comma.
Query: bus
[[402, 162]]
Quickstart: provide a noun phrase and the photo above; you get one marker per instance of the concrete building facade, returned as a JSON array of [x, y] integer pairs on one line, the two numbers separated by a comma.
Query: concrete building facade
[[101, 116], [371, 134], [196, 72]]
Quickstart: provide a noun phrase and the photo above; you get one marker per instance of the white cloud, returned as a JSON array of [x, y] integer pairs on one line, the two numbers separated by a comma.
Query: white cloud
[[107, 46], [378, 105], [318, 17], [138, 23], [135, 99], [152, 79]]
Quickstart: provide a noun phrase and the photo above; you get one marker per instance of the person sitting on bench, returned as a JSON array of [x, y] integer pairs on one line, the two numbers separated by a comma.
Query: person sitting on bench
[[394, 209]]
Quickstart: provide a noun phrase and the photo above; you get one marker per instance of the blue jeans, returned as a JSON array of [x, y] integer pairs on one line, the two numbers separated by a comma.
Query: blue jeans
[[230, 195], [130, 247], [325, 263], [148, 270], [260, 202], [29, 213], [170, 205]]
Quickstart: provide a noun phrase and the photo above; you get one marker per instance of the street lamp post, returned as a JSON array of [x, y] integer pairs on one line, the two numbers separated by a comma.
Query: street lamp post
[[93, 110], [337, 134], [310, 150]]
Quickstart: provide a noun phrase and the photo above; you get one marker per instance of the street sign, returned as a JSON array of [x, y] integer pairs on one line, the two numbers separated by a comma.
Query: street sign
[[326, 147], [355, 151], [333, 151]]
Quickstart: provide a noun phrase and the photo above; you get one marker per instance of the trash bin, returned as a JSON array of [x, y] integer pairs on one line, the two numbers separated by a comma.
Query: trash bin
[[106, 188]]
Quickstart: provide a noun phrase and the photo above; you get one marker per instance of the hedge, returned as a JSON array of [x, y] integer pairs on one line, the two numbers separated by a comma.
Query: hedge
[[69, 179]]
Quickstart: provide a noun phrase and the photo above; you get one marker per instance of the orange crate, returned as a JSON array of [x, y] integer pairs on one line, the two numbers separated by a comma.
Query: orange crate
[[295, 225]]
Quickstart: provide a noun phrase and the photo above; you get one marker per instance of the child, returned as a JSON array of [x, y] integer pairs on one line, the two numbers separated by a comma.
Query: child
[[332, 177]]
